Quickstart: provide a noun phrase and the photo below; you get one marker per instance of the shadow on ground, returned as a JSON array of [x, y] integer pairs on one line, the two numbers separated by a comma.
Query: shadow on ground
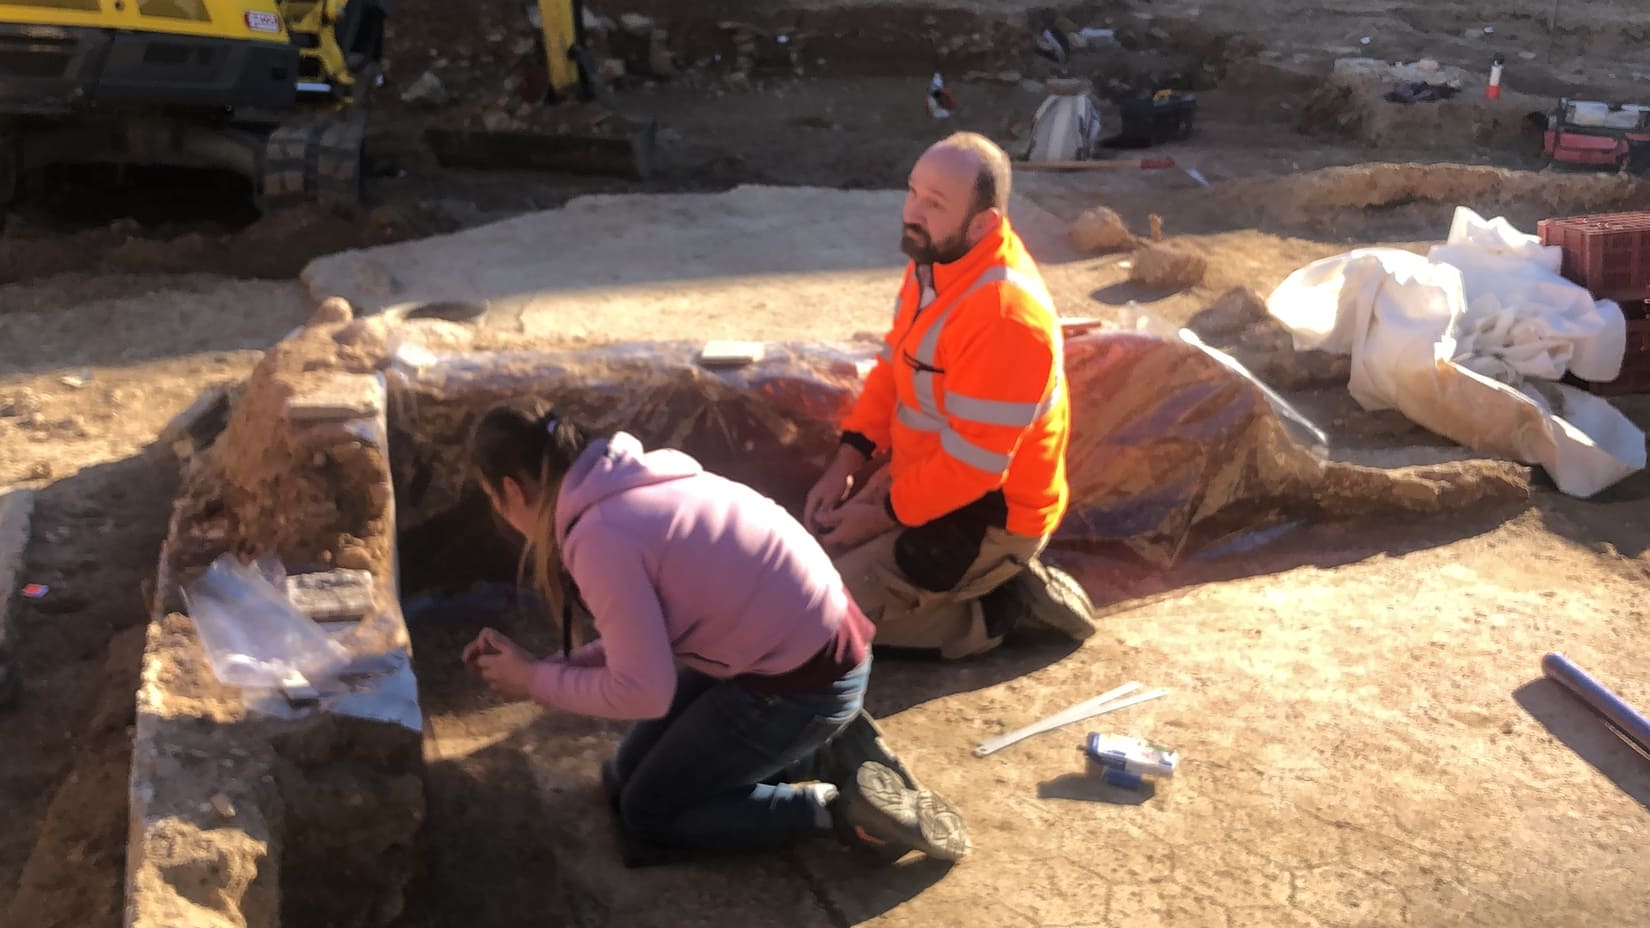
[[1120, 294], [1589, 736], [67, 744], [1091, 787], [1618, 516], [1119, 583], [488, 859], [519, 833]]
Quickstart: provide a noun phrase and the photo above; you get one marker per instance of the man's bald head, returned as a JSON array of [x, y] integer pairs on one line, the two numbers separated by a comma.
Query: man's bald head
[[958, 193], [993, 175]]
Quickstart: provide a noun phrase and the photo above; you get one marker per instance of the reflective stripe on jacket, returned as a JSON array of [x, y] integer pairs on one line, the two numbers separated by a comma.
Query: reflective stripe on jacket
[[969, 392]]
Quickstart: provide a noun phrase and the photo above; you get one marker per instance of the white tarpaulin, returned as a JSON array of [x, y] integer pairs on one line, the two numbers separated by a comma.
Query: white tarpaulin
[[1469, 340]]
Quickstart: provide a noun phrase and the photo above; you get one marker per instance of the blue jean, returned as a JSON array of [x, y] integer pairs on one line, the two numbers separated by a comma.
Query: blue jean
[[708, 775]]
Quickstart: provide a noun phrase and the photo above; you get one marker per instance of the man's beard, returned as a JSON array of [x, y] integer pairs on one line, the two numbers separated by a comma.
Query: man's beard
[[920, 248]]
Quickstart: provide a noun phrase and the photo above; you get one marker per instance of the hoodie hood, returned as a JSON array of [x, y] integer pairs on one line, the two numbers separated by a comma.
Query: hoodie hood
[[612, 466]]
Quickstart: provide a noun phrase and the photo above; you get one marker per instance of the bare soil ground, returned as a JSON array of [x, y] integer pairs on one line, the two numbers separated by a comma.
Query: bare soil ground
[[1403, 767]]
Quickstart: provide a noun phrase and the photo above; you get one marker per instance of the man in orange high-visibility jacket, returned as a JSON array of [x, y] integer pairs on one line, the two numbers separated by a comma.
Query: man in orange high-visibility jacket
[[940, 547]]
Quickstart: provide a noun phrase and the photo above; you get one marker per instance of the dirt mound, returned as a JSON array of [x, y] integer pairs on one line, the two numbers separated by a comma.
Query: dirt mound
[[1402, 200], [1235, 311], [1097, 230], [321, 516], [1356, 102], [1168, 266]]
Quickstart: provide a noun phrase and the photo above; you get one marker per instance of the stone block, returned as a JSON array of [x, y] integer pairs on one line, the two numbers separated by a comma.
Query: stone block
[[331, 594], [338, 396], [198, 424]]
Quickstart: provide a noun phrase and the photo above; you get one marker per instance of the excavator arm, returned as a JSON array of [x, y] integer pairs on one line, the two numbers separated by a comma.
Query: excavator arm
[[563, 27]]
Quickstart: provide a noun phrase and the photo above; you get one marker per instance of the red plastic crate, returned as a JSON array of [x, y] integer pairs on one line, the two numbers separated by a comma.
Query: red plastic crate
[[1608, 254]]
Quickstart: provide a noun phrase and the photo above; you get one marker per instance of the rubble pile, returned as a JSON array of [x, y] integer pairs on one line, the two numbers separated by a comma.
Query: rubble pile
[[1168, 266], [483, 65], [1099, 229], [1362, 99]]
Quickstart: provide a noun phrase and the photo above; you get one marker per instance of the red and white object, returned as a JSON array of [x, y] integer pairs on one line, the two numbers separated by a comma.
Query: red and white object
[[940, 101], [1492, 90]]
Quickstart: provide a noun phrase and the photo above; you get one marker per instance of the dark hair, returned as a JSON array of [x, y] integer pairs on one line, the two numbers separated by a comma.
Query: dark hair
[[995, 180], [536, 449]]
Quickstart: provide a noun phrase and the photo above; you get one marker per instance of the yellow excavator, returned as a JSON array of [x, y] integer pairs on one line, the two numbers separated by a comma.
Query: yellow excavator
[[273, 90]]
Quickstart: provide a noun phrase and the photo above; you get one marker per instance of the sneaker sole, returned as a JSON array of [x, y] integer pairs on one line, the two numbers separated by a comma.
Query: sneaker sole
[[1060, 602], [943, 827], [933, 824], [880, 739]]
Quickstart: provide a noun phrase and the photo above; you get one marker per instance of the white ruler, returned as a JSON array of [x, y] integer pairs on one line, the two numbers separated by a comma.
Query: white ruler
[[1099, 705]]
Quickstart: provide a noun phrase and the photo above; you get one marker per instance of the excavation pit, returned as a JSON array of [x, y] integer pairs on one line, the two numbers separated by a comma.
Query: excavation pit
[[343, 457]]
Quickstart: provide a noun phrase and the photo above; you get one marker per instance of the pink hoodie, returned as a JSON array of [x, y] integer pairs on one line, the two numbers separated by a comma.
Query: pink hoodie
[[681, 565]]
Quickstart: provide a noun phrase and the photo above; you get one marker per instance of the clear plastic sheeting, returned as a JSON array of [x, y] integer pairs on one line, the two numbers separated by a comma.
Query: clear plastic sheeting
[[1174, 448], [771, 424], [1135, 318], [252, 635]]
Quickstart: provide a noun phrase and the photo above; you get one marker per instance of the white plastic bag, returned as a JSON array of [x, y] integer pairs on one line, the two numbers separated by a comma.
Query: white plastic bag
[[252, 635], [1066, 127]]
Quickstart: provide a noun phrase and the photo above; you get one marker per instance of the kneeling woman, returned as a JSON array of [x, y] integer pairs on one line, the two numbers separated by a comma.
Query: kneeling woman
[[724, 631]]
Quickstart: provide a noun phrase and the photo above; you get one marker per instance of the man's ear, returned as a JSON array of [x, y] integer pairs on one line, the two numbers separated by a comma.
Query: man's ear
[[982, 224]]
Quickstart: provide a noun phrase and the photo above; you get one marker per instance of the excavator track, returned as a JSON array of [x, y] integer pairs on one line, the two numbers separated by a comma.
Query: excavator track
[[315, 160]]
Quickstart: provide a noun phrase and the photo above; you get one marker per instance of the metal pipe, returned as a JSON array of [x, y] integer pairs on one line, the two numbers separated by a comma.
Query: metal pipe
[[1624, 718]]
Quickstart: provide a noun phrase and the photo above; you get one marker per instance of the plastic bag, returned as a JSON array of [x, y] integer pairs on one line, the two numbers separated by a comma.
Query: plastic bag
[[252, 634], [1066, 127], [771, 424], [1172, 450]]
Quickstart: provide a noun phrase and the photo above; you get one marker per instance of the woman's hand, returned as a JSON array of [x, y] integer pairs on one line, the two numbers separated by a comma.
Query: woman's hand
[[505, 665]]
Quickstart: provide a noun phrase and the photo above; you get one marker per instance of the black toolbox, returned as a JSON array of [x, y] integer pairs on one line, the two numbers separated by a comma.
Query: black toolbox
[[1157, 119]]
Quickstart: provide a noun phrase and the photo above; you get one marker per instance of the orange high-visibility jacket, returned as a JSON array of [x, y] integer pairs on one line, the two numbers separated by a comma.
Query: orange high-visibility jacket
[[970, 392]]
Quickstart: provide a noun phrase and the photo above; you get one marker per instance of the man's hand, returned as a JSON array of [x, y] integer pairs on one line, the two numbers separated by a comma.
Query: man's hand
[[852, 524], [505, 665], [878, 485], [831, 488]]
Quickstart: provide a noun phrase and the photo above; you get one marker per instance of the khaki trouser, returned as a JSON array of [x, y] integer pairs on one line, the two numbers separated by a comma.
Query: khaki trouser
[[908, 616]]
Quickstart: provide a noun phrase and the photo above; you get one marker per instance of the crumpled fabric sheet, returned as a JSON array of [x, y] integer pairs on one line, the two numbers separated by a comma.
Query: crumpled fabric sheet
[[1469, 341], [1420, 92]]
